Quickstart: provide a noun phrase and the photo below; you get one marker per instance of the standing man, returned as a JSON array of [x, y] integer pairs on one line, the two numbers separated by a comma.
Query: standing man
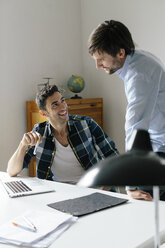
[[113, 50], [68, 144]]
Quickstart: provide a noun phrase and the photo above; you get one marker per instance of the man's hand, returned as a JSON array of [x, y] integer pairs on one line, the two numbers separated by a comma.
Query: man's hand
[[106, 188], [139, 195], [31, 138], [15, 163]]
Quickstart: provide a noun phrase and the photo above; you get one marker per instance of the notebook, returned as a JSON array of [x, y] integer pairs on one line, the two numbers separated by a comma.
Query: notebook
[[17, 187], [87, 204]]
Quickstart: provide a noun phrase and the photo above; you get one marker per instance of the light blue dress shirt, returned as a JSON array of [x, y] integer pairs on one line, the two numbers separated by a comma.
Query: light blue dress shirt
[[144, 79]]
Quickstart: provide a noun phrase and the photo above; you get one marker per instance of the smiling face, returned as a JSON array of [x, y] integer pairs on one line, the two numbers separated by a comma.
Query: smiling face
[[109, 63], [56, 109]]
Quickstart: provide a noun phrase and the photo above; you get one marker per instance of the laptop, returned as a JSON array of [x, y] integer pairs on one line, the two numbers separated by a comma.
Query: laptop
[[20, 186]]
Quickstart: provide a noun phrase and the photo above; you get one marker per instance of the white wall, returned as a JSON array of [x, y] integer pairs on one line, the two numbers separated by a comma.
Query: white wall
[[146, 22], [40, 38]]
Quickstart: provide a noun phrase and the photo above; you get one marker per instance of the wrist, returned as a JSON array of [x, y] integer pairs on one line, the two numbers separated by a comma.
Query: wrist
[[23, 146]]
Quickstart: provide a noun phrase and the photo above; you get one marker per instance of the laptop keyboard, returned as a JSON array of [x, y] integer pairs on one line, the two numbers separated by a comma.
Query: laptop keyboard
[[17, 186]]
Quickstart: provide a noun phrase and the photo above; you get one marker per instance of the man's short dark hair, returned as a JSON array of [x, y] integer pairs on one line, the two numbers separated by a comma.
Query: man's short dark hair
[[43, 94], [110, 37]]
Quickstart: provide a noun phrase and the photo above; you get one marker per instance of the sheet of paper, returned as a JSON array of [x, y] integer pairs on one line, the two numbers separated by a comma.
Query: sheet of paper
[[49, 226]]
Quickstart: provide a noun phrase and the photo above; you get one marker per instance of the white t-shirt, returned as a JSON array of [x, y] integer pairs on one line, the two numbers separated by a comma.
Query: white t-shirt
[[66, 168]]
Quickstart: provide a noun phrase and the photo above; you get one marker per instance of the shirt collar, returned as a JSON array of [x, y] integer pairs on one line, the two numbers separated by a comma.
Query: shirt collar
[[122, 72], [49, 128]]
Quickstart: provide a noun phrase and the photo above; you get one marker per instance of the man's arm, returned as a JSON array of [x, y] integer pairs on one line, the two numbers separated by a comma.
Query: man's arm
[[142, 97], [139, 195], [15, 163], [104, 145]]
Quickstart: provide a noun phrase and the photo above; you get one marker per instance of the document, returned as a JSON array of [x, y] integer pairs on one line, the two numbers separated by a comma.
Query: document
[[49, 226]]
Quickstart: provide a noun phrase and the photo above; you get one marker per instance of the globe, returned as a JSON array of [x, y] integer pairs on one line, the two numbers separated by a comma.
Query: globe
[[76, 84]]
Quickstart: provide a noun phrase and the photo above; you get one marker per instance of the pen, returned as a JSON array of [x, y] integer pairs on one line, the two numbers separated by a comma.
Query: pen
[[24, 227], [30, 223], [36, 146]]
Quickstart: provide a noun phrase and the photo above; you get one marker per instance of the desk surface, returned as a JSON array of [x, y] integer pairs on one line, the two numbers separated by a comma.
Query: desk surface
[[128, 226]]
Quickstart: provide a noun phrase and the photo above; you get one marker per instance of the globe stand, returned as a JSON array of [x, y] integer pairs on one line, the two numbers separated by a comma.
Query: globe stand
[[76, 97]]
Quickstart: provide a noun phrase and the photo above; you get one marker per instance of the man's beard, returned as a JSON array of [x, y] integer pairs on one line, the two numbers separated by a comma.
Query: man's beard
[[116, 66], [113, 70]]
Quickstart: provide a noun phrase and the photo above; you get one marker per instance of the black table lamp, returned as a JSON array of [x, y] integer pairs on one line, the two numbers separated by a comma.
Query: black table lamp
[[138, 167]]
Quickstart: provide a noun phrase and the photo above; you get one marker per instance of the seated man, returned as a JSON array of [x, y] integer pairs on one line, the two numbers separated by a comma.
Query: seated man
[[68, 144]]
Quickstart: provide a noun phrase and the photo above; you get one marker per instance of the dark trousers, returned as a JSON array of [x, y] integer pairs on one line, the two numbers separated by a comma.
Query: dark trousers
[[162, 188]]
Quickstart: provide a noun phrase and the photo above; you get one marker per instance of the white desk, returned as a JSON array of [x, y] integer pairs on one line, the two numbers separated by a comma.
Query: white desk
[[126, 226]]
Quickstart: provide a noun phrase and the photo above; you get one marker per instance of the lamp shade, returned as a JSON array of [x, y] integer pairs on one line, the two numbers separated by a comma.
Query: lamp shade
[[138, 167]]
